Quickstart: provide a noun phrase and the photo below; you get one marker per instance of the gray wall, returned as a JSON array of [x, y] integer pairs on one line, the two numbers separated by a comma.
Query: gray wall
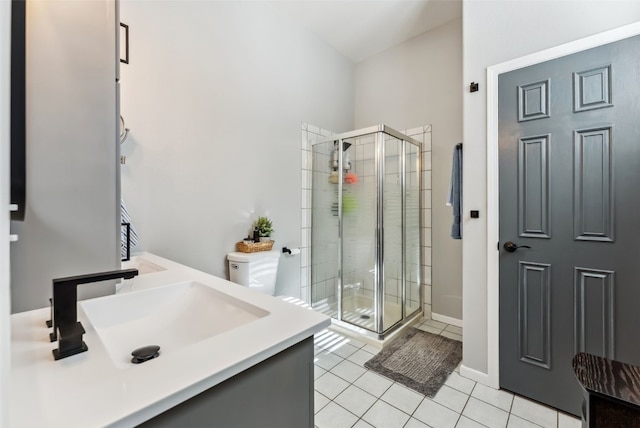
[[214, 96], [71, 225], [495, 32], [416, 83]]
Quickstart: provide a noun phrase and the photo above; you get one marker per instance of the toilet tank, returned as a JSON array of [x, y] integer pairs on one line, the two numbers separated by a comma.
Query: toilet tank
[[257, 271]]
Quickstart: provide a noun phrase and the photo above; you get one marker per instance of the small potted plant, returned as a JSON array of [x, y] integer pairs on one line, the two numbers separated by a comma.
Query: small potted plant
[[264, 227]]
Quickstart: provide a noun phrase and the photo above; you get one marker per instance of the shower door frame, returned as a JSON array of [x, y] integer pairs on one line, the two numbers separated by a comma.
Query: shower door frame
[[379, 291]]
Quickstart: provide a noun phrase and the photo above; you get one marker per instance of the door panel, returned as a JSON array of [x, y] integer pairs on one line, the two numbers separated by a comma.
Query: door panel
[[533, 101], [570, 189], [533, 187], [594, 311], [592, 89], [534, 298], [592, 185]]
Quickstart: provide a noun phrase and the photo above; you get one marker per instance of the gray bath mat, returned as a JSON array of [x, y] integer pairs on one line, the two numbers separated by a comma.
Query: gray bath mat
[[419, 360]]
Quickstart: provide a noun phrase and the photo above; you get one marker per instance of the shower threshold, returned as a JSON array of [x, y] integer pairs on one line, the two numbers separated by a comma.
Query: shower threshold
[[358, 319], [379, 340]]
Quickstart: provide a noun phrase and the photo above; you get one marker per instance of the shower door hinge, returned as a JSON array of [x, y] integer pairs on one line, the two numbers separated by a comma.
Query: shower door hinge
[[498, 246]]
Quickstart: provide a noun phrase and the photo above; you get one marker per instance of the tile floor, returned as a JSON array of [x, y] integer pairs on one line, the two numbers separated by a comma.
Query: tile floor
[[349, 395]]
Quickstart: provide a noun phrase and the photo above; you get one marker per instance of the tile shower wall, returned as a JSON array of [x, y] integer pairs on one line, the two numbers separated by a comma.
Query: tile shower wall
[[326, 273], [357, 281]]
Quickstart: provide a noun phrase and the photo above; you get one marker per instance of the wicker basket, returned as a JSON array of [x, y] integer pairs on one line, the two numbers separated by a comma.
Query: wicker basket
[[252, 247]]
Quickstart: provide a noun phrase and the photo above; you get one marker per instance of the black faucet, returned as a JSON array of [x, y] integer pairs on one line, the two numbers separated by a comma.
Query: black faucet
[[64, 307]]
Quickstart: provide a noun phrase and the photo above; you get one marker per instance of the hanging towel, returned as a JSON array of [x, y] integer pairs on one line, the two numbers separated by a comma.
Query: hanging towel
[[133, 236], [455, 192]]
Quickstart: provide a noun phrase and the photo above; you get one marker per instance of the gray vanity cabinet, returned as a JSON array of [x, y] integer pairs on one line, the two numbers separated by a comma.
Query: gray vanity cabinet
[[276, 393]]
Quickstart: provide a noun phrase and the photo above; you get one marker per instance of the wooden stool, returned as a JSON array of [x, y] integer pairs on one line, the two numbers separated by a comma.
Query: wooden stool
[[611, 392]]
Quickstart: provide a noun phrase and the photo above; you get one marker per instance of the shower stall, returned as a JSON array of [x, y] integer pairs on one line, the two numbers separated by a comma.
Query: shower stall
[[365, 235]]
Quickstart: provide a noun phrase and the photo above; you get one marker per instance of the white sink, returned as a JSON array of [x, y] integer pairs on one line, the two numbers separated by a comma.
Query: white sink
[[172, 316]]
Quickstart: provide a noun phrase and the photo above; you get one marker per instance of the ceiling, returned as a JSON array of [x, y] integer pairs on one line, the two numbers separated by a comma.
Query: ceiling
[[361, 28]]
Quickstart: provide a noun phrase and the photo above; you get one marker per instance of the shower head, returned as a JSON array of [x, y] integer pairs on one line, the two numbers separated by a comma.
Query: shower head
[[345, 146]]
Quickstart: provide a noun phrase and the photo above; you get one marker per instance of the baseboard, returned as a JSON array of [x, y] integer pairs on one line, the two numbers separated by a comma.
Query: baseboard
[[477, 376], [447, 320]]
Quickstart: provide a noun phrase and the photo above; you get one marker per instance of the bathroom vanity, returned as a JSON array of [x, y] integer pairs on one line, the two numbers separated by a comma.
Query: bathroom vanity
[[254, 367]]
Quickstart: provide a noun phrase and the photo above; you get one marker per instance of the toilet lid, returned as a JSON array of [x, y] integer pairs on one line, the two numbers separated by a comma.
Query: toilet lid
[[249, 257]]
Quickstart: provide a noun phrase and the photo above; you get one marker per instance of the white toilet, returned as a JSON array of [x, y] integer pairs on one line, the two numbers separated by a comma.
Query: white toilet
[[257, 270]]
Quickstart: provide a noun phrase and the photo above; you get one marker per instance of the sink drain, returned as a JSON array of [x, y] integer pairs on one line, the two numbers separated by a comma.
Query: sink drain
[[145, 353]]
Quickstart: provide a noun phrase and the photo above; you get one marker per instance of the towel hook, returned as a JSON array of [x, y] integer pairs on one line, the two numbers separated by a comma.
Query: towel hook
[[124, 132]]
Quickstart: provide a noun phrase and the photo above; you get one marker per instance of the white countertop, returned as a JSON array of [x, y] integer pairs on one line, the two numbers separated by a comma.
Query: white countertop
[[88, 389]]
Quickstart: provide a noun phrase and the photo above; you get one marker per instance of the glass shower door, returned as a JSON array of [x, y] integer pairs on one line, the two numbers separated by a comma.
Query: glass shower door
[[358, 232], [324, 232], [392, 293]]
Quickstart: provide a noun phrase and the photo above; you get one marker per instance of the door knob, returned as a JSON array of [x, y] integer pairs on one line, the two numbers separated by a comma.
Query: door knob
[[510, 247]]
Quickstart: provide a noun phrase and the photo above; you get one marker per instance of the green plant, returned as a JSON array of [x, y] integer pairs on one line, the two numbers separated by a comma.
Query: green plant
[[264, 226]]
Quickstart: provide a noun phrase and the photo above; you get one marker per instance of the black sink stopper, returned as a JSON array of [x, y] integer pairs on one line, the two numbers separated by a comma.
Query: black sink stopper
[[145, 353]]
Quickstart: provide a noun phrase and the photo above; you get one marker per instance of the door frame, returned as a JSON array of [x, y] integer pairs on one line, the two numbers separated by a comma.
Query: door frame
[[493, 220]]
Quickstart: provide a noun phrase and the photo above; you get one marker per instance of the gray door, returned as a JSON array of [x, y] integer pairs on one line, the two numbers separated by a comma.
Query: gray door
[[570, 190]]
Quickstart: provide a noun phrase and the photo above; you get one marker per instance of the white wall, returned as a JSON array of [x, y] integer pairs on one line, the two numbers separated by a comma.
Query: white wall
[[5, 297], [71, 221], [214, 97], [415, 83], [495, 32]]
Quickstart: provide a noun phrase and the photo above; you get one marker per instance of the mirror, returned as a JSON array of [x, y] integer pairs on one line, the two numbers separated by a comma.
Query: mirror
[[18, 109]]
